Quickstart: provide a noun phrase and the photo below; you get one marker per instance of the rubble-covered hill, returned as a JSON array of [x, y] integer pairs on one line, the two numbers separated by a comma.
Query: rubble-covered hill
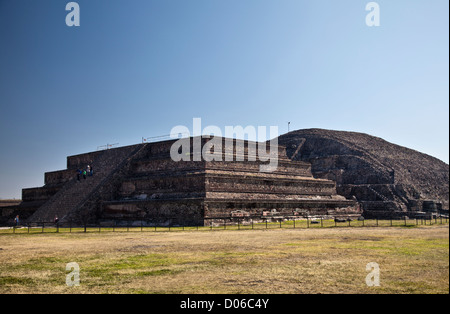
[[381, 175]]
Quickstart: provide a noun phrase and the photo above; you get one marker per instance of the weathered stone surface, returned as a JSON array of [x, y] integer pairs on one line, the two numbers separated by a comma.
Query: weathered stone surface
[[142, 182], [382, 176], [10, 208], [74, 194]]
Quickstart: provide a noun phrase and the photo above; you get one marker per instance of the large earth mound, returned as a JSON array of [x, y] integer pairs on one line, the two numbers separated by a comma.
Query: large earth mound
[[387, 179]]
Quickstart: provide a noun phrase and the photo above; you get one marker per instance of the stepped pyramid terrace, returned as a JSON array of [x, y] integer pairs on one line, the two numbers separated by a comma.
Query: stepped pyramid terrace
[[143, 184], [388, 180]]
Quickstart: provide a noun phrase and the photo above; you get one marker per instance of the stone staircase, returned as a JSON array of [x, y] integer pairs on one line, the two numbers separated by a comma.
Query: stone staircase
[[379, 195], [75, 193]]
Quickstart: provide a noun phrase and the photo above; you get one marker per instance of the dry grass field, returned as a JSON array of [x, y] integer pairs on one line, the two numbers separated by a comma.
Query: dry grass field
[[274, 261]]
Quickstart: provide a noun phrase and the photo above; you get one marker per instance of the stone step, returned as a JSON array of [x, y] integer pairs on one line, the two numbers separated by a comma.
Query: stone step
[[75, 192]]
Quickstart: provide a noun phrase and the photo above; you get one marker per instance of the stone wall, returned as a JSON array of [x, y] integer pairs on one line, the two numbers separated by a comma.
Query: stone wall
[[155, 212], [381, 175], [59, 177], [39, 194], [142, 182], [82, 160], [189, 184], [9, 209], [260, 210]]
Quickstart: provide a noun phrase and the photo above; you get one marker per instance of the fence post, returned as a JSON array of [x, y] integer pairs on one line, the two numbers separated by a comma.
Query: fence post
[[294, 222], [321, 222], [307, 222], [252, 222]]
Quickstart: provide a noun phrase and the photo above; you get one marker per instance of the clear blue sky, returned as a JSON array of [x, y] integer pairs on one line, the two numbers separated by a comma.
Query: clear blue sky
[[136, 69]]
